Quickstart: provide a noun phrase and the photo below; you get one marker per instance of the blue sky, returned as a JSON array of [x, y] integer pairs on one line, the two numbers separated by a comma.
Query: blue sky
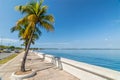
[[78, 24]]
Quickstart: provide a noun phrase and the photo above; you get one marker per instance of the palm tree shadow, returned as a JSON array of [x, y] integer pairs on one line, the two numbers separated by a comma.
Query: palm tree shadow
[[40, 59], [44, 68]]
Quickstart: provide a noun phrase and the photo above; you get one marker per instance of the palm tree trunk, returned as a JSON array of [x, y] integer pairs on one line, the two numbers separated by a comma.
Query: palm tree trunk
[[25, 47], [26, 44], [26, 52]]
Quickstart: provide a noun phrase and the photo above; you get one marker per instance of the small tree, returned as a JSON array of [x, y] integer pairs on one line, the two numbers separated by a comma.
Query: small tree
[[12, 47]]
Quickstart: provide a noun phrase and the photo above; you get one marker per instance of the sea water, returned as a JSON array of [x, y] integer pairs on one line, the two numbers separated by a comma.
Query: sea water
[[104, 58]]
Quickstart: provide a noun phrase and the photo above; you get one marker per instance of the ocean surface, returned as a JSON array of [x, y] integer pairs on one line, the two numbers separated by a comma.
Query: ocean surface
[[104, 58]]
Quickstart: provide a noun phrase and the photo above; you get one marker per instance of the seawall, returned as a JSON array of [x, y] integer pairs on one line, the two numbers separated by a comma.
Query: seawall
[[81, 70]]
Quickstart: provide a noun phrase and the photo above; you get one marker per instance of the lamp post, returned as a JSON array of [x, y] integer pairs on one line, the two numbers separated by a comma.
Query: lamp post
[[1, 43], [1, 40]]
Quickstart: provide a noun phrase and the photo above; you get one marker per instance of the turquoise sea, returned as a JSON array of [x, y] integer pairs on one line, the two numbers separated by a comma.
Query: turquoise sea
[[104, 58]]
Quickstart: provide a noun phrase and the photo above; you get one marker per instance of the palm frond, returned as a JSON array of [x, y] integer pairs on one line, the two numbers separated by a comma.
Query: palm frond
[[43, 10], [48, 26], [49, 18], [21, 21], [15, 28], [41, 2], [37, 30]]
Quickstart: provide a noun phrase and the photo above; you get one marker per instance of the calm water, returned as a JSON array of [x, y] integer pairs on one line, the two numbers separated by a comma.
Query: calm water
[[105, 58]]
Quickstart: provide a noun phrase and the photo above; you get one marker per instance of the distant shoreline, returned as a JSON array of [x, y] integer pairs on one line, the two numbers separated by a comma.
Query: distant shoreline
[[79, 49]]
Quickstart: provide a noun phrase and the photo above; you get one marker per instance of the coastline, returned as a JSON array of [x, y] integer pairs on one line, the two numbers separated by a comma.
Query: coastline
[[79, 48], [80, 69], [104, 58]]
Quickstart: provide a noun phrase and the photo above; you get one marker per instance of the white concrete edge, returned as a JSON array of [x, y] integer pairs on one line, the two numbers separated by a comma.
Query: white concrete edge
[[97, 70], [84, 65], [21, 77]]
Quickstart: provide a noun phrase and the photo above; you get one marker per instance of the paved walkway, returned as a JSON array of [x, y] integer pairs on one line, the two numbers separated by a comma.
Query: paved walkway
[[45, 70]]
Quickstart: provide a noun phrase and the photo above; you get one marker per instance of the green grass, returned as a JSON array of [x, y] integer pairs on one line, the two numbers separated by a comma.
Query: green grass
[[8, 58]]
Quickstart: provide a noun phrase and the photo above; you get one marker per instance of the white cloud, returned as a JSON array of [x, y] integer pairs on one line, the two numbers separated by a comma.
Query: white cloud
[[52, 43], [106, 39], [117, 21], [8, 40]]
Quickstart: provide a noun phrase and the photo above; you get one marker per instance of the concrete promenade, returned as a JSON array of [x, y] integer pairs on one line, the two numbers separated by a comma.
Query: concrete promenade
[[45, 70]]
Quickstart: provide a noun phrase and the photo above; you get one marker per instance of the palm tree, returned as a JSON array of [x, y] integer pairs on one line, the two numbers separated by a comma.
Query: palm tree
[[36, 16]]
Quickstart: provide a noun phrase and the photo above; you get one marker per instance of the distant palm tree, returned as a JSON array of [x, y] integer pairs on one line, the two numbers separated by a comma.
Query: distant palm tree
[[21, 30], [36, 16]]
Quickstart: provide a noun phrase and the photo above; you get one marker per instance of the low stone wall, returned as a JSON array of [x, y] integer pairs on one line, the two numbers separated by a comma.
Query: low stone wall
[[81, 70]]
